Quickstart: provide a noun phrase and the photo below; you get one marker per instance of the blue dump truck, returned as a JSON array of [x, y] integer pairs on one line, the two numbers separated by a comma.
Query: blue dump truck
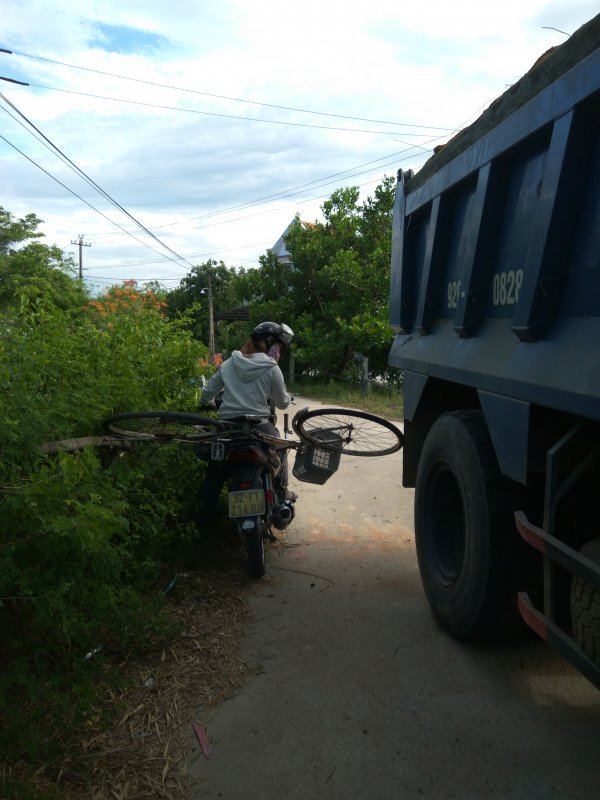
[[495, 302]]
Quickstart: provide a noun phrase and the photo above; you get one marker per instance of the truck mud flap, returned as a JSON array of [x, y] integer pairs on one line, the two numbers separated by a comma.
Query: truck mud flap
[[554, 553]]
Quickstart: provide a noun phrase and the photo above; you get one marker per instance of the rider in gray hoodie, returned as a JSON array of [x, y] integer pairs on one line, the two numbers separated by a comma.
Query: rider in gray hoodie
[[248, 380]]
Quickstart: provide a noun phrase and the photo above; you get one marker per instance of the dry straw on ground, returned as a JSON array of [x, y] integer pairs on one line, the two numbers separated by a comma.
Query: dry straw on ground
[[144, 755]]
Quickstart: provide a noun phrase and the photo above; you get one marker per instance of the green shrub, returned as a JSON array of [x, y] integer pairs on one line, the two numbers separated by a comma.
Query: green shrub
[[87, 538]]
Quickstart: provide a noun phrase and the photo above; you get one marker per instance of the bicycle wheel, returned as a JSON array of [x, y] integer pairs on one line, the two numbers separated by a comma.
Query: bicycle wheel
[[162, 425], [353, 433]]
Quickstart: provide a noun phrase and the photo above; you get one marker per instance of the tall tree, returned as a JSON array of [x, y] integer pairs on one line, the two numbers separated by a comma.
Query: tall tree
[[340, 280], [267, 290], [334, 294], [191, 300], [34, 272]]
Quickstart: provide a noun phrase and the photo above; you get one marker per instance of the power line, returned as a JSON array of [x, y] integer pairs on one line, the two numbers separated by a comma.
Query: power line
[[225, 116], [278, 195], [281, 194], [245, 261], [220, 96], [285, 196], [115, 279], [90, 181], [290, 192], [190, 255], [79, 197], [224, 222], [83, 200], [271, 211]]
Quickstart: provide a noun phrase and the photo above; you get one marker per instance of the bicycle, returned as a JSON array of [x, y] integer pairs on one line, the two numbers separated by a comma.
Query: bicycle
[[374, 436]]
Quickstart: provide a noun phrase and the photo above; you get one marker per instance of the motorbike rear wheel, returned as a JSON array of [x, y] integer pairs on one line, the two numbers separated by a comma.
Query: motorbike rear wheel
[[255, 549]]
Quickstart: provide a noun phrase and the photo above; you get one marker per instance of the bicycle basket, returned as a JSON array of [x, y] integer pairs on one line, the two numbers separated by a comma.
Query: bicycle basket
[[314, 464]]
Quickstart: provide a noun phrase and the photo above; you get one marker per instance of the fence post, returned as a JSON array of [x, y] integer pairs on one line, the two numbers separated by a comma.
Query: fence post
[[364, 380]]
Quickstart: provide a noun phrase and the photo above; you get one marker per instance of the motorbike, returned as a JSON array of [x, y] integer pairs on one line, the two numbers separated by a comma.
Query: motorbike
[[245, 458]]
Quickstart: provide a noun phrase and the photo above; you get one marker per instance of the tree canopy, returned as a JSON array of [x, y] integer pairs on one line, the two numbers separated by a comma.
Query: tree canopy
[[31, 271], [334, 293], [340, 281]]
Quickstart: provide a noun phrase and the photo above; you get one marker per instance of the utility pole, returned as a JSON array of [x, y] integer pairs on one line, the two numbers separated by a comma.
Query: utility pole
[[211, 322], [81, 245]]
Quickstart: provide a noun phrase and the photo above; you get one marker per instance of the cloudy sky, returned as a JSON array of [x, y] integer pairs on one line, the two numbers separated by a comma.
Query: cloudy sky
[[211, 124]]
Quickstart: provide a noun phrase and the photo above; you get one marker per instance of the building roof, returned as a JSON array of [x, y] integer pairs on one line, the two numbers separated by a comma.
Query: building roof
[[280, 248]]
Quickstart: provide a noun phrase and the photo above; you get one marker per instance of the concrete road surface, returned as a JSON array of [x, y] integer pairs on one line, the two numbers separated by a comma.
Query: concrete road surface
[[361, 694]]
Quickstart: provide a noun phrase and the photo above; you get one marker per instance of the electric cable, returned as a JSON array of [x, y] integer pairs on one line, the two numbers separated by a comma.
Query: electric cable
[[285, 193], [209, 252], [189, 255], [91, 182], [221, 115], [83, 200], [220, 96], [279, 195]]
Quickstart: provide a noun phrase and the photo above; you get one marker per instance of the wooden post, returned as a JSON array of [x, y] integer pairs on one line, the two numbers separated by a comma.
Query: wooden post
[[364, 379]]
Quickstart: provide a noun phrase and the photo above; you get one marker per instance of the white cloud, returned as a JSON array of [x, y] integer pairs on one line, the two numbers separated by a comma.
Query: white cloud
[[428, 63]]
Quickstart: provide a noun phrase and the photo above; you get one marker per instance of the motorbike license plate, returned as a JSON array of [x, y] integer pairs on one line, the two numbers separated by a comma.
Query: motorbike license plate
[[250, 503]]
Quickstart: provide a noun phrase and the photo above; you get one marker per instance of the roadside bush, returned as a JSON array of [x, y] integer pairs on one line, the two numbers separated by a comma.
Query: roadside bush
[[86, 538], [62, 375]]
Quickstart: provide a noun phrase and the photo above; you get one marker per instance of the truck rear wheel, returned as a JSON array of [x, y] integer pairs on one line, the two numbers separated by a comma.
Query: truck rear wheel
[[467, 544], [585, 608]]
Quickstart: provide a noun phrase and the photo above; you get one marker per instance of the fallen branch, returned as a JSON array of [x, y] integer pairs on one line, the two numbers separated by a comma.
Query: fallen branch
[[72, 445]]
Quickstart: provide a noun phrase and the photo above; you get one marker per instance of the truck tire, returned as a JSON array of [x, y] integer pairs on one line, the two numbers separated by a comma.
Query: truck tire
[[468, 548], [585, 608]]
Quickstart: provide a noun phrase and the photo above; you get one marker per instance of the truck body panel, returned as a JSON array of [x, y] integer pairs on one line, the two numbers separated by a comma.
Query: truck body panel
[[495, 288]]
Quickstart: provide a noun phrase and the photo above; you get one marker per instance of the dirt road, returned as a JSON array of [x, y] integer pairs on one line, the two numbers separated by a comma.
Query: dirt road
[[361, 695]]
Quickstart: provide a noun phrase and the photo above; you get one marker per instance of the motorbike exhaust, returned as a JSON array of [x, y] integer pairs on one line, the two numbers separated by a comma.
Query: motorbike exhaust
[[283, 515]]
